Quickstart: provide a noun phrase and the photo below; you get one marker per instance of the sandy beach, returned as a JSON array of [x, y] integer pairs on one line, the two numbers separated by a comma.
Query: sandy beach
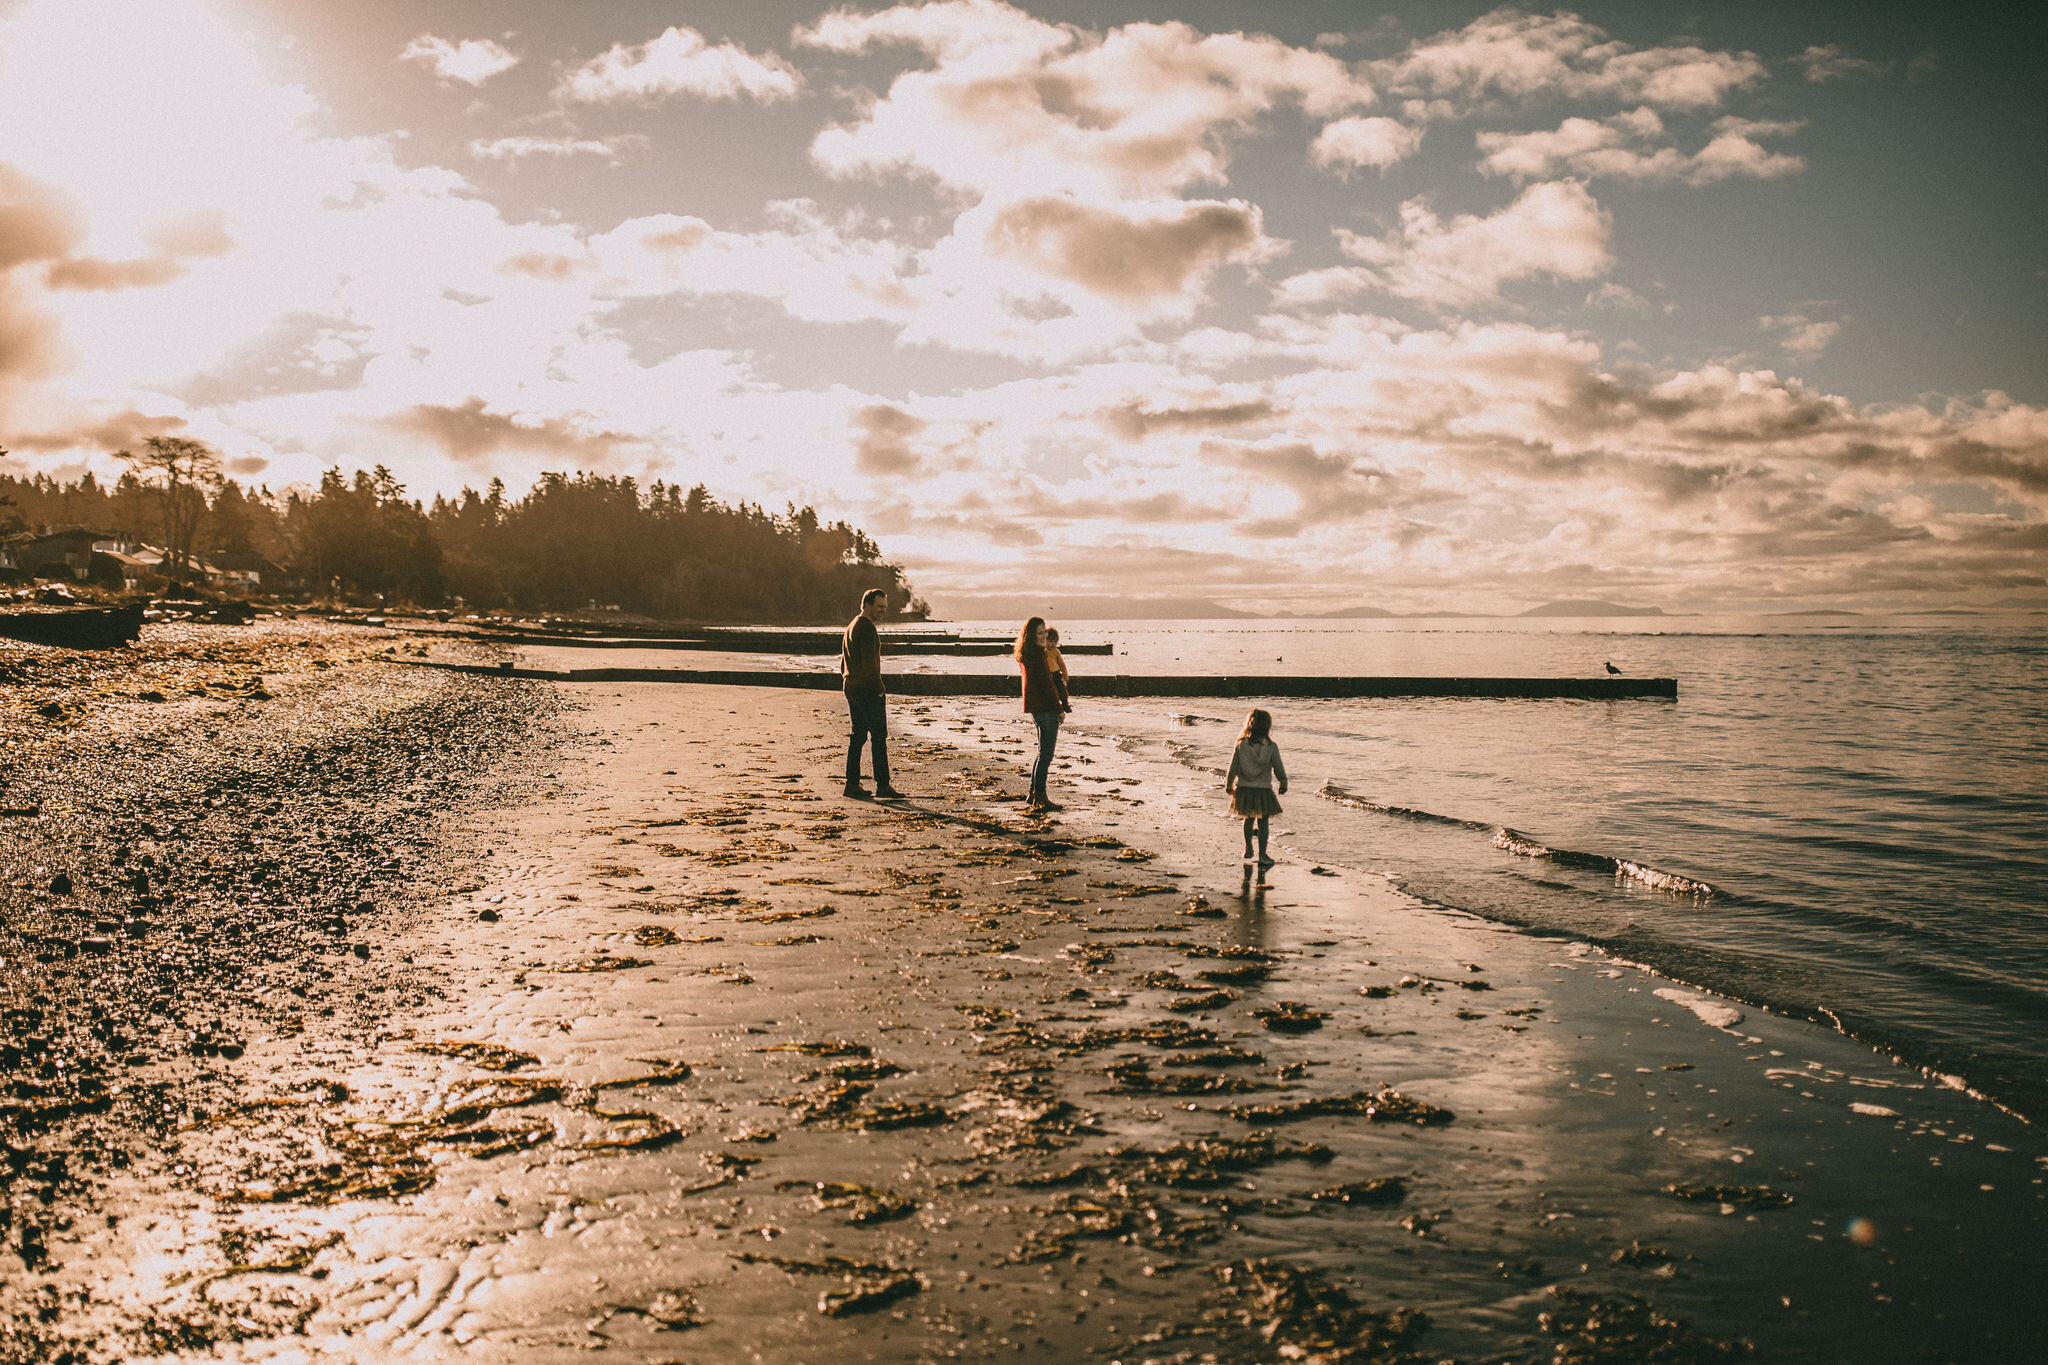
[[490, 1020]]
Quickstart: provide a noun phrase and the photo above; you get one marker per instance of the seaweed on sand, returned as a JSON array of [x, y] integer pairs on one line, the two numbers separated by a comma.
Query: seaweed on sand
[[1197, 1004], [1596, 1328], [665, 1073], [489, 1056], [1221, 1056], [869, 1284], [1248, 974], [1235, 951], [832, 1048], [634, 1130], [1381, 1189], [1385, 1105], [1272, 1309], [1202, 1163], [1012, 1122], [1289, 1016], [1134, 1077], [864, 1204], [670, 1310], [1747, 1196], [605, 962], [1165, 1033]]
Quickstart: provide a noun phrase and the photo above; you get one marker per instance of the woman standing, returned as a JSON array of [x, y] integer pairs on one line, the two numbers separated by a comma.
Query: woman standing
[[1045, 700]]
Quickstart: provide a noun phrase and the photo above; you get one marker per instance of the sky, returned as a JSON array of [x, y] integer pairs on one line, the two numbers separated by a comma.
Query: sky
[[1291, 306]]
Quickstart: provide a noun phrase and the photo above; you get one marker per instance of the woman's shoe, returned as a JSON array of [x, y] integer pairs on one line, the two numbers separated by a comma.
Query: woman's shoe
[[1265, 863]]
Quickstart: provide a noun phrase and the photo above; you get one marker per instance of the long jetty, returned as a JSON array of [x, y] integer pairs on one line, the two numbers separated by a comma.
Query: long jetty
[[1116, 685], [733, 641]]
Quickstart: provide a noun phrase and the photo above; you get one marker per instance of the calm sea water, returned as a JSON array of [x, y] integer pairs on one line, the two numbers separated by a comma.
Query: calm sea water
[[1839, 817]]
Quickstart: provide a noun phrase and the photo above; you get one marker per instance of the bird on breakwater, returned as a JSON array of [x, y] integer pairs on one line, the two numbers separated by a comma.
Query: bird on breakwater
[[1612, 669]]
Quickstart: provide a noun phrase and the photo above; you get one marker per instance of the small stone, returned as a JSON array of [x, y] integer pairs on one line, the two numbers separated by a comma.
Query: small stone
[[488, 915], [363, 951], [60, 885]]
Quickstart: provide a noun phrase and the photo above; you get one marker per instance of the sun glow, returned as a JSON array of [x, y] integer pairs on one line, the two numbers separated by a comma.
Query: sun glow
[[144, 114]]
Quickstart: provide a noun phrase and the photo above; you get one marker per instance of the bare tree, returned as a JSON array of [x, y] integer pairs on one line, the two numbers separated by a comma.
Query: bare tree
[[179, 471]]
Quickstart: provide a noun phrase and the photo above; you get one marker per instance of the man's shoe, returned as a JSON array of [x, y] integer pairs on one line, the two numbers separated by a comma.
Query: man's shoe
[[856, 791], [887, 793]]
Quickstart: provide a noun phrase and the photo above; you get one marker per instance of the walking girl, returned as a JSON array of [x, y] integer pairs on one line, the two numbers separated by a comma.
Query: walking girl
[[1045, 701], [1254, 768]]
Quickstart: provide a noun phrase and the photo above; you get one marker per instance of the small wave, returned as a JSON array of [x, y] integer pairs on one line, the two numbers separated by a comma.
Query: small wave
[[1330, 791], [1512, 841]]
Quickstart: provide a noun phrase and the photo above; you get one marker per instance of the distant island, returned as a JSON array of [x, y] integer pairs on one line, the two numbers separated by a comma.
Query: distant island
[[1106, 608], [1818, 611], [1086, 608], [1589, 608]]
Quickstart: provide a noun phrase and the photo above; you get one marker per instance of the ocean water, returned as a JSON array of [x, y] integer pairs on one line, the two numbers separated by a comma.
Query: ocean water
[[1840, 818]]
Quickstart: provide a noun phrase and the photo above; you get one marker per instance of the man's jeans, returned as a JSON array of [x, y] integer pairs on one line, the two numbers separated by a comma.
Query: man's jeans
[[869, 712], [1048, 735]]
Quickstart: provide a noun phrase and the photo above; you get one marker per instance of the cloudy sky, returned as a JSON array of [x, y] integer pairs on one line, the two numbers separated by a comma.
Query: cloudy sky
[[1287, 305]]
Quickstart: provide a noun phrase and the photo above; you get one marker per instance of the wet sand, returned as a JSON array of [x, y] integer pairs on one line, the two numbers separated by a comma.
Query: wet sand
[[680, 1055]]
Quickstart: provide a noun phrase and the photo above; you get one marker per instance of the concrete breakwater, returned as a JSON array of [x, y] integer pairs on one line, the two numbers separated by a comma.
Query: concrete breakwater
[[1125, 685], [723, 640]]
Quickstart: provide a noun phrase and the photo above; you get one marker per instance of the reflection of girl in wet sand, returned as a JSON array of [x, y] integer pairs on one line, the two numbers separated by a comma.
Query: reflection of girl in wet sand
[[1254, 767]]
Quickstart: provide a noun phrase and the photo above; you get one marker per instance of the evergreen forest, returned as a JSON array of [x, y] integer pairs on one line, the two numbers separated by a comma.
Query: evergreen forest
[[571, 542]]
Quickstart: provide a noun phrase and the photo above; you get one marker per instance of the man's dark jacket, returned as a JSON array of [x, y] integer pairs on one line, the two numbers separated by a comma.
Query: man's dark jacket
[[860, 659]]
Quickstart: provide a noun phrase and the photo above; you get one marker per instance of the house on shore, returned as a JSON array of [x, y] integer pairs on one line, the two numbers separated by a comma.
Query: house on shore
[[55, 554]]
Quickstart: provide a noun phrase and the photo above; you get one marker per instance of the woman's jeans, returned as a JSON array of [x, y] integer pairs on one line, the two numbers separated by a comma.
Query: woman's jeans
[[1048, 735]]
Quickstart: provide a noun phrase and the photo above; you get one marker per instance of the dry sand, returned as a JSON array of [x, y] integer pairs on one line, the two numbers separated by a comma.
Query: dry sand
[[682, 1056]]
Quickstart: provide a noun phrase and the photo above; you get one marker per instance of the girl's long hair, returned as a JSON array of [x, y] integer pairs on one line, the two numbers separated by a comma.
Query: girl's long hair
[[1028, 647], [1257, 726]]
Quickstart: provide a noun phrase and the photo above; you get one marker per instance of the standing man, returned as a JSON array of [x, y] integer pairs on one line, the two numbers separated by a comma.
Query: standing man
[[860, 675]]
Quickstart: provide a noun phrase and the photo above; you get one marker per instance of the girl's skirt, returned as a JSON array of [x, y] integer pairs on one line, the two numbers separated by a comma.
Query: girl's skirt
[[1249, 803]]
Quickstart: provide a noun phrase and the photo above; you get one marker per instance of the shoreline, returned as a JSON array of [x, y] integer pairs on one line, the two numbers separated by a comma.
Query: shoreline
[[1043, 1177]]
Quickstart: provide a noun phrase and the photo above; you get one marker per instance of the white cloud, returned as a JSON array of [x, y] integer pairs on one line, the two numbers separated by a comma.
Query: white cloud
[[1509, 55], [680, 62], [1013, 104], [1357, 142], [1831, 62], [1138, 257], [1553, 229], [471, 61], [1631, 146], [612, 149], [329, 298], [1801, 337], [1618, 297]]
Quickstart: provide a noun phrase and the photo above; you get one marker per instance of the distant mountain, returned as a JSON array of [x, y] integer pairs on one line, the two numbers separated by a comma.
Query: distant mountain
[[1016, 607], [1818, 611], [1590, 608]]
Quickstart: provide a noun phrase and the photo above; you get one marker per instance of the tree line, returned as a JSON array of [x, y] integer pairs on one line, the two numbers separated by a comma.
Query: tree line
[[572, 541]]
